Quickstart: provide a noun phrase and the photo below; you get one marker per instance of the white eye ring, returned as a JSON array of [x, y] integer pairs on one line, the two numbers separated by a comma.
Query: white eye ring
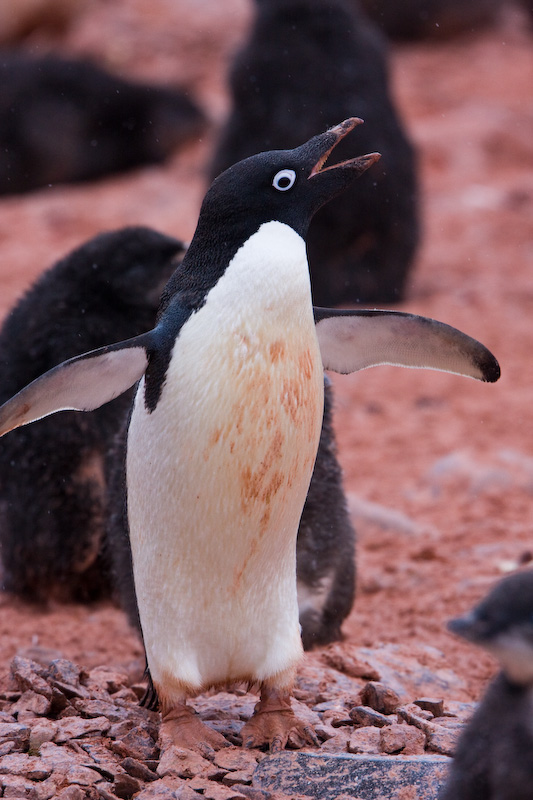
[[284, 180]]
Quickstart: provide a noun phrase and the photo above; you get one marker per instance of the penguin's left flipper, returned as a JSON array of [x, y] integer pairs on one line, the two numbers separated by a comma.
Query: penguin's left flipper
[[82, 383], [358, 338]]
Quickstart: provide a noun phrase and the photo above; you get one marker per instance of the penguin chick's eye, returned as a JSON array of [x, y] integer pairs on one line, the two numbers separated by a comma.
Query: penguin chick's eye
[[284, 180]]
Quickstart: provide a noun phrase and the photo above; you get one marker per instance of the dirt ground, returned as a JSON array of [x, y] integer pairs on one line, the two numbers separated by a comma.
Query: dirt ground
[[439, 470]]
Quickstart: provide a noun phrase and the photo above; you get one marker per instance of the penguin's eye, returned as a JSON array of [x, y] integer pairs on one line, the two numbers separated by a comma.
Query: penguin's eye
[[284, 180]]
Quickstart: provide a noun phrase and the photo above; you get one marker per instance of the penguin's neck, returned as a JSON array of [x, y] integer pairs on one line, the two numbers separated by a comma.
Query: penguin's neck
[[269, 275]]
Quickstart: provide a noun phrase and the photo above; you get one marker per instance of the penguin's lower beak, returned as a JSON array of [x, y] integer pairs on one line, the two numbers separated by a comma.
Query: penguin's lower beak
[[352, 167]]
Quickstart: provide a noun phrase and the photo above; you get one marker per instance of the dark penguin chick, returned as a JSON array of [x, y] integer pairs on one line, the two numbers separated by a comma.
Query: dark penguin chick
[[431, 19], [65, 120], [494, 755], [52, 484], [325, 558], [225, 428], [325, 547], [307, 63]]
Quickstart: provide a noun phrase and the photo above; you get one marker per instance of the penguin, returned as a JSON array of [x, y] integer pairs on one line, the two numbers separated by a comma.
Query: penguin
[[67, 120], [306, 64], [70, 543], [224, 430], [53, 474], [494, 755], [416, 20], [325, 545]]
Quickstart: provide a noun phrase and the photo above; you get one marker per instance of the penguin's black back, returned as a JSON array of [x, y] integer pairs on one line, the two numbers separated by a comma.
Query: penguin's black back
[[52, 473], [306, 64]]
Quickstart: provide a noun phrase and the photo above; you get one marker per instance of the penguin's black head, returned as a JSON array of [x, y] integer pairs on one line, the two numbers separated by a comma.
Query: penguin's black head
[[283, 185], [286, 186], [503, 625]]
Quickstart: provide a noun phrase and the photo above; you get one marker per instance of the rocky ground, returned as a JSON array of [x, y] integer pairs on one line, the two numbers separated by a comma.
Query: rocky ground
[[439, 470]]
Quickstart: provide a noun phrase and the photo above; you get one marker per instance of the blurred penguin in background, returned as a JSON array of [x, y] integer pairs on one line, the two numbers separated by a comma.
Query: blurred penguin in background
[[64, 121], [306, 64], [52, 474], [432, 19], [494, 756]]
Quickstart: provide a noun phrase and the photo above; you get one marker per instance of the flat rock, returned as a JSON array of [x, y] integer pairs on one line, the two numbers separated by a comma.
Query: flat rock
[[15, 733], [402, 739], [75, 727], [365, 740], [365, 777]]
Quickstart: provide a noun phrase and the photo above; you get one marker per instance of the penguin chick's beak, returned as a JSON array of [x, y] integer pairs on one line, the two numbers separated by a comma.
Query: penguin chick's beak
[[325, 143], [470, 628]]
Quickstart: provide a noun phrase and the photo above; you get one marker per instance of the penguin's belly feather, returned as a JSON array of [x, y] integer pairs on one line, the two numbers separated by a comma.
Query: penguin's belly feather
[[217, 479]]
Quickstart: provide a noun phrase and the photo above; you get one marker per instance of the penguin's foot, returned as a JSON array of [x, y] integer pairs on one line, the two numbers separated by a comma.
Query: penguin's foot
[[181, 726], [274, 724]]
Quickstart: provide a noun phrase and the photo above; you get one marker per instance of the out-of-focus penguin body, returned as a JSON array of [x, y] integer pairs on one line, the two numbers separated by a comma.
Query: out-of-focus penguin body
[[52, 474], [305, 64], [225, 428], [63, 120], [494, 755], [431, 19]]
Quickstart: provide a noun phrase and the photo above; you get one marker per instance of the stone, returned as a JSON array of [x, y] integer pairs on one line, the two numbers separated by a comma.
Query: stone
[[137, 743], [38, 704], [215, 791], [235, 758], [71, 793], [44, 731], [362, 716], [346, 659], [238, 777], [28, 675], [337, 743], [168, 789], [365, 740], [107, 678], [102, 708], [416, 716], [17, 786], [325, 731], [436, 707], [84, 776], [60, 758], [30, 767], [403, 739], [125, 785], [14, 733], [325, 777], [138, 770], [75, 727], [182, 763], [380, 697], [444, 740]]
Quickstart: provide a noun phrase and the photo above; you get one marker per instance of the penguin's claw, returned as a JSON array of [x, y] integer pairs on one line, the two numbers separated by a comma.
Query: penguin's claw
[[182, 727], [275, 725]]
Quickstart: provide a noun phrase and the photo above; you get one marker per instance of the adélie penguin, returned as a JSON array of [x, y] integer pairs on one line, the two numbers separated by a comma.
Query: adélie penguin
[[224, 431]]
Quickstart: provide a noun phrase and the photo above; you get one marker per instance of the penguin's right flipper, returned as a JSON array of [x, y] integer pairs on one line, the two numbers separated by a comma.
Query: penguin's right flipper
[[82, 383]]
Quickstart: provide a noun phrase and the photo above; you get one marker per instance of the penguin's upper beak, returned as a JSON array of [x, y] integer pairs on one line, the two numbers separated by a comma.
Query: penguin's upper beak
[[326, 142], [327, 182]]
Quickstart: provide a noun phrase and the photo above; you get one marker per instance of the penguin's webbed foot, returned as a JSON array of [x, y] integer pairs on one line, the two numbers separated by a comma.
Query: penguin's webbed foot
[[274, 724], [181, 726]]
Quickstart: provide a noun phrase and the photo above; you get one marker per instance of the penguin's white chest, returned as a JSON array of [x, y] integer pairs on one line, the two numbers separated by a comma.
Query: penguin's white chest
[[218, 473]]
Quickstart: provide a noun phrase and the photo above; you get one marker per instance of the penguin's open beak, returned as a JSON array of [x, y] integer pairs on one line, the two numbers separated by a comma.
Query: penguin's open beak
[[327, 141]]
